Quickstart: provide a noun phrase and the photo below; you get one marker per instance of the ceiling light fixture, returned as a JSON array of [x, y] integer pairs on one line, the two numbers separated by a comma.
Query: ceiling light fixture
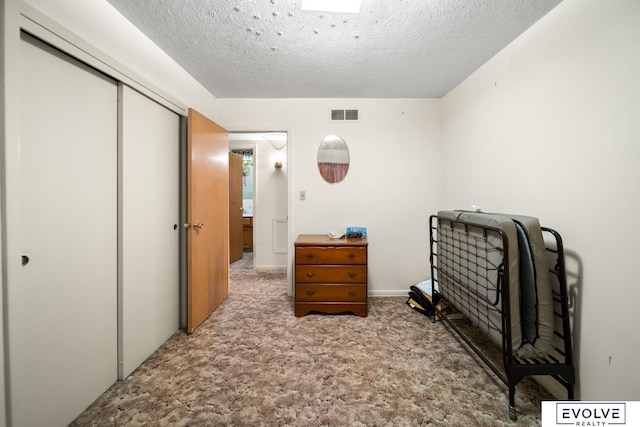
[[340, 6], [277, 139], [275, 136]]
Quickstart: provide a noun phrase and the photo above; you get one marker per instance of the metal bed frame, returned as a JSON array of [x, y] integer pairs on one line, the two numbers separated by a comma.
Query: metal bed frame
[[558, 362]]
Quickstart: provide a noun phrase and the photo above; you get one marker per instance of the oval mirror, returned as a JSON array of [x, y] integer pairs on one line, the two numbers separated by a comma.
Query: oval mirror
[[333, 159]]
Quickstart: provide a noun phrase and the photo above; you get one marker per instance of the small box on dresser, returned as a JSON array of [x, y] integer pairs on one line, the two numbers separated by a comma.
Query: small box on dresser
[[330, 275]]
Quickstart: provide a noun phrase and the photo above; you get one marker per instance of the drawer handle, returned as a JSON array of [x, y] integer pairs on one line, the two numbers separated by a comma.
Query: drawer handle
[[310, 293], [352, 293], [310, 255], [352, 274], [352, 255], [309, 275]]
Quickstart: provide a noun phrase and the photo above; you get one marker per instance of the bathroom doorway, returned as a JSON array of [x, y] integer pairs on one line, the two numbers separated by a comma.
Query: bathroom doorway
[[241, 185], [264, 198]]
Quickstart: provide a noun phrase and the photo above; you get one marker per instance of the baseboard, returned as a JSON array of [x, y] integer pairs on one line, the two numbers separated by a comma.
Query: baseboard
[[271, 268], [388, 293]]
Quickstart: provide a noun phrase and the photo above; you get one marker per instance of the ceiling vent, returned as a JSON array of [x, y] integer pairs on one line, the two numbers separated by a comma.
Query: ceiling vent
[[345, 115]]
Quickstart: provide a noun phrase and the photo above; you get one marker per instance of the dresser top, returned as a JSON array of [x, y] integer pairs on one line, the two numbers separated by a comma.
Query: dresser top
[[325, 240]]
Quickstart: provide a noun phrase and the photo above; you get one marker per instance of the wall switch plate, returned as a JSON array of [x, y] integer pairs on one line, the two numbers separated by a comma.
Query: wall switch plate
[[303, 195]]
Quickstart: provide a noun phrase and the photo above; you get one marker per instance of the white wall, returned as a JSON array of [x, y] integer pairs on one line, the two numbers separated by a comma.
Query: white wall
[[9, 129], [550, 127], [99, 24], [9, 156], [390, 185]]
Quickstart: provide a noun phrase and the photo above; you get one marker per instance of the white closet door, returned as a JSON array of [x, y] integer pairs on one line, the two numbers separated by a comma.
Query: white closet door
[[149, 209], [64, 315]]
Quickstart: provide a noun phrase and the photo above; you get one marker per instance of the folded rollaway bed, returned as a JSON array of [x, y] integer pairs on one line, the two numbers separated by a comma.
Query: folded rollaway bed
[[500, 274]]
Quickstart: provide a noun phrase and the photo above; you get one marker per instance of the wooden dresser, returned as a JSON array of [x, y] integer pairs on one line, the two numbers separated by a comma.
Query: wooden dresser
[[330, 275]]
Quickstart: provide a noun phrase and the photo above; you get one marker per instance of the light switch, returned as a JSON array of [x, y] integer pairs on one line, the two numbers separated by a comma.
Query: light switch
[[303, 195]]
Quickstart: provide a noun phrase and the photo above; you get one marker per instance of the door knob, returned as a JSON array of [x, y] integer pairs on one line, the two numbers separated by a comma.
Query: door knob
[[197, 226]]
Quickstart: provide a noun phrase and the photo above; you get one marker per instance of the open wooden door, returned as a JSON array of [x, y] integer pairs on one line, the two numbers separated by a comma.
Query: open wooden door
[[235, 207], [208, 218]]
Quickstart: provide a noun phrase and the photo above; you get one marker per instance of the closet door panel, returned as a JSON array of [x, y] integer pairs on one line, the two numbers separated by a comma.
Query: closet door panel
[[149, 209], [63, 334]]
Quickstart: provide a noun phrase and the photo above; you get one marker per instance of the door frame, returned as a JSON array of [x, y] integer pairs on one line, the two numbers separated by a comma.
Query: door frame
[[236, 227], [183, 224], [276, 127], [252, 146]]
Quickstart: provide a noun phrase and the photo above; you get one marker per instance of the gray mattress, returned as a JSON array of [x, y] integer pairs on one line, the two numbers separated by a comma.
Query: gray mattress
[[536, 300], [468, 262]]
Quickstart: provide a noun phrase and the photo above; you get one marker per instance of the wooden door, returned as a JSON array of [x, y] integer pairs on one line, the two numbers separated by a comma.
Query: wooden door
[[235, 207], [208, 218], [64, 320]]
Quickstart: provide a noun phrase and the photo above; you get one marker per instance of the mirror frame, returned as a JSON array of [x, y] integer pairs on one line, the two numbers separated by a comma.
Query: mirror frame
[[333, 159]]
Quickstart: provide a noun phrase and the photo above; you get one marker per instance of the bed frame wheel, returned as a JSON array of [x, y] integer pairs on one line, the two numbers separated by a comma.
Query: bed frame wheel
[[512, 413]]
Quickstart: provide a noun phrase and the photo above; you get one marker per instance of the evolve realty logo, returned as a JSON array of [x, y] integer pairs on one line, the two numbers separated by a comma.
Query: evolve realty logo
[[576, 413]]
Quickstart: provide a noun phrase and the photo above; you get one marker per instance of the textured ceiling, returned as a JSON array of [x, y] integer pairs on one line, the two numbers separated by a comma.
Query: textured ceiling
[[391, 49]]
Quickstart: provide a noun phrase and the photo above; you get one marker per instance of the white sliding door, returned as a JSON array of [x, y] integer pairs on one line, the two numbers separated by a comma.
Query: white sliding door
[[149, 234], [63, 315]]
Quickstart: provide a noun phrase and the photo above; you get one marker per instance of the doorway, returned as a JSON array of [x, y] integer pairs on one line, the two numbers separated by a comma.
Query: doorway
[[264, 197], [241, 184]]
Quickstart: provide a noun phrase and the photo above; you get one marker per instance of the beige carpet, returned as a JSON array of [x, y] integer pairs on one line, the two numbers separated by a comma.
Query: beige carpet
[[253, 363]]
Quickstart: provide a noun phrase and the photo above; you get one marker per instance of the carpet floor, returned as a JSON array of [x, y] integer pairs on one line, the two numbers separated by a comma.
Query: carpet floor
[[252, 363]]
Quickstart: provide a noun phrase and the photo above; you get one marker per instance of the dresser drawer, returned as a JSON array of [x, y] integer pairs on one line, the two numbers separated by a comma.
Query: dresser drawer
[[343, 293], [331, 274], [331, 255]]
